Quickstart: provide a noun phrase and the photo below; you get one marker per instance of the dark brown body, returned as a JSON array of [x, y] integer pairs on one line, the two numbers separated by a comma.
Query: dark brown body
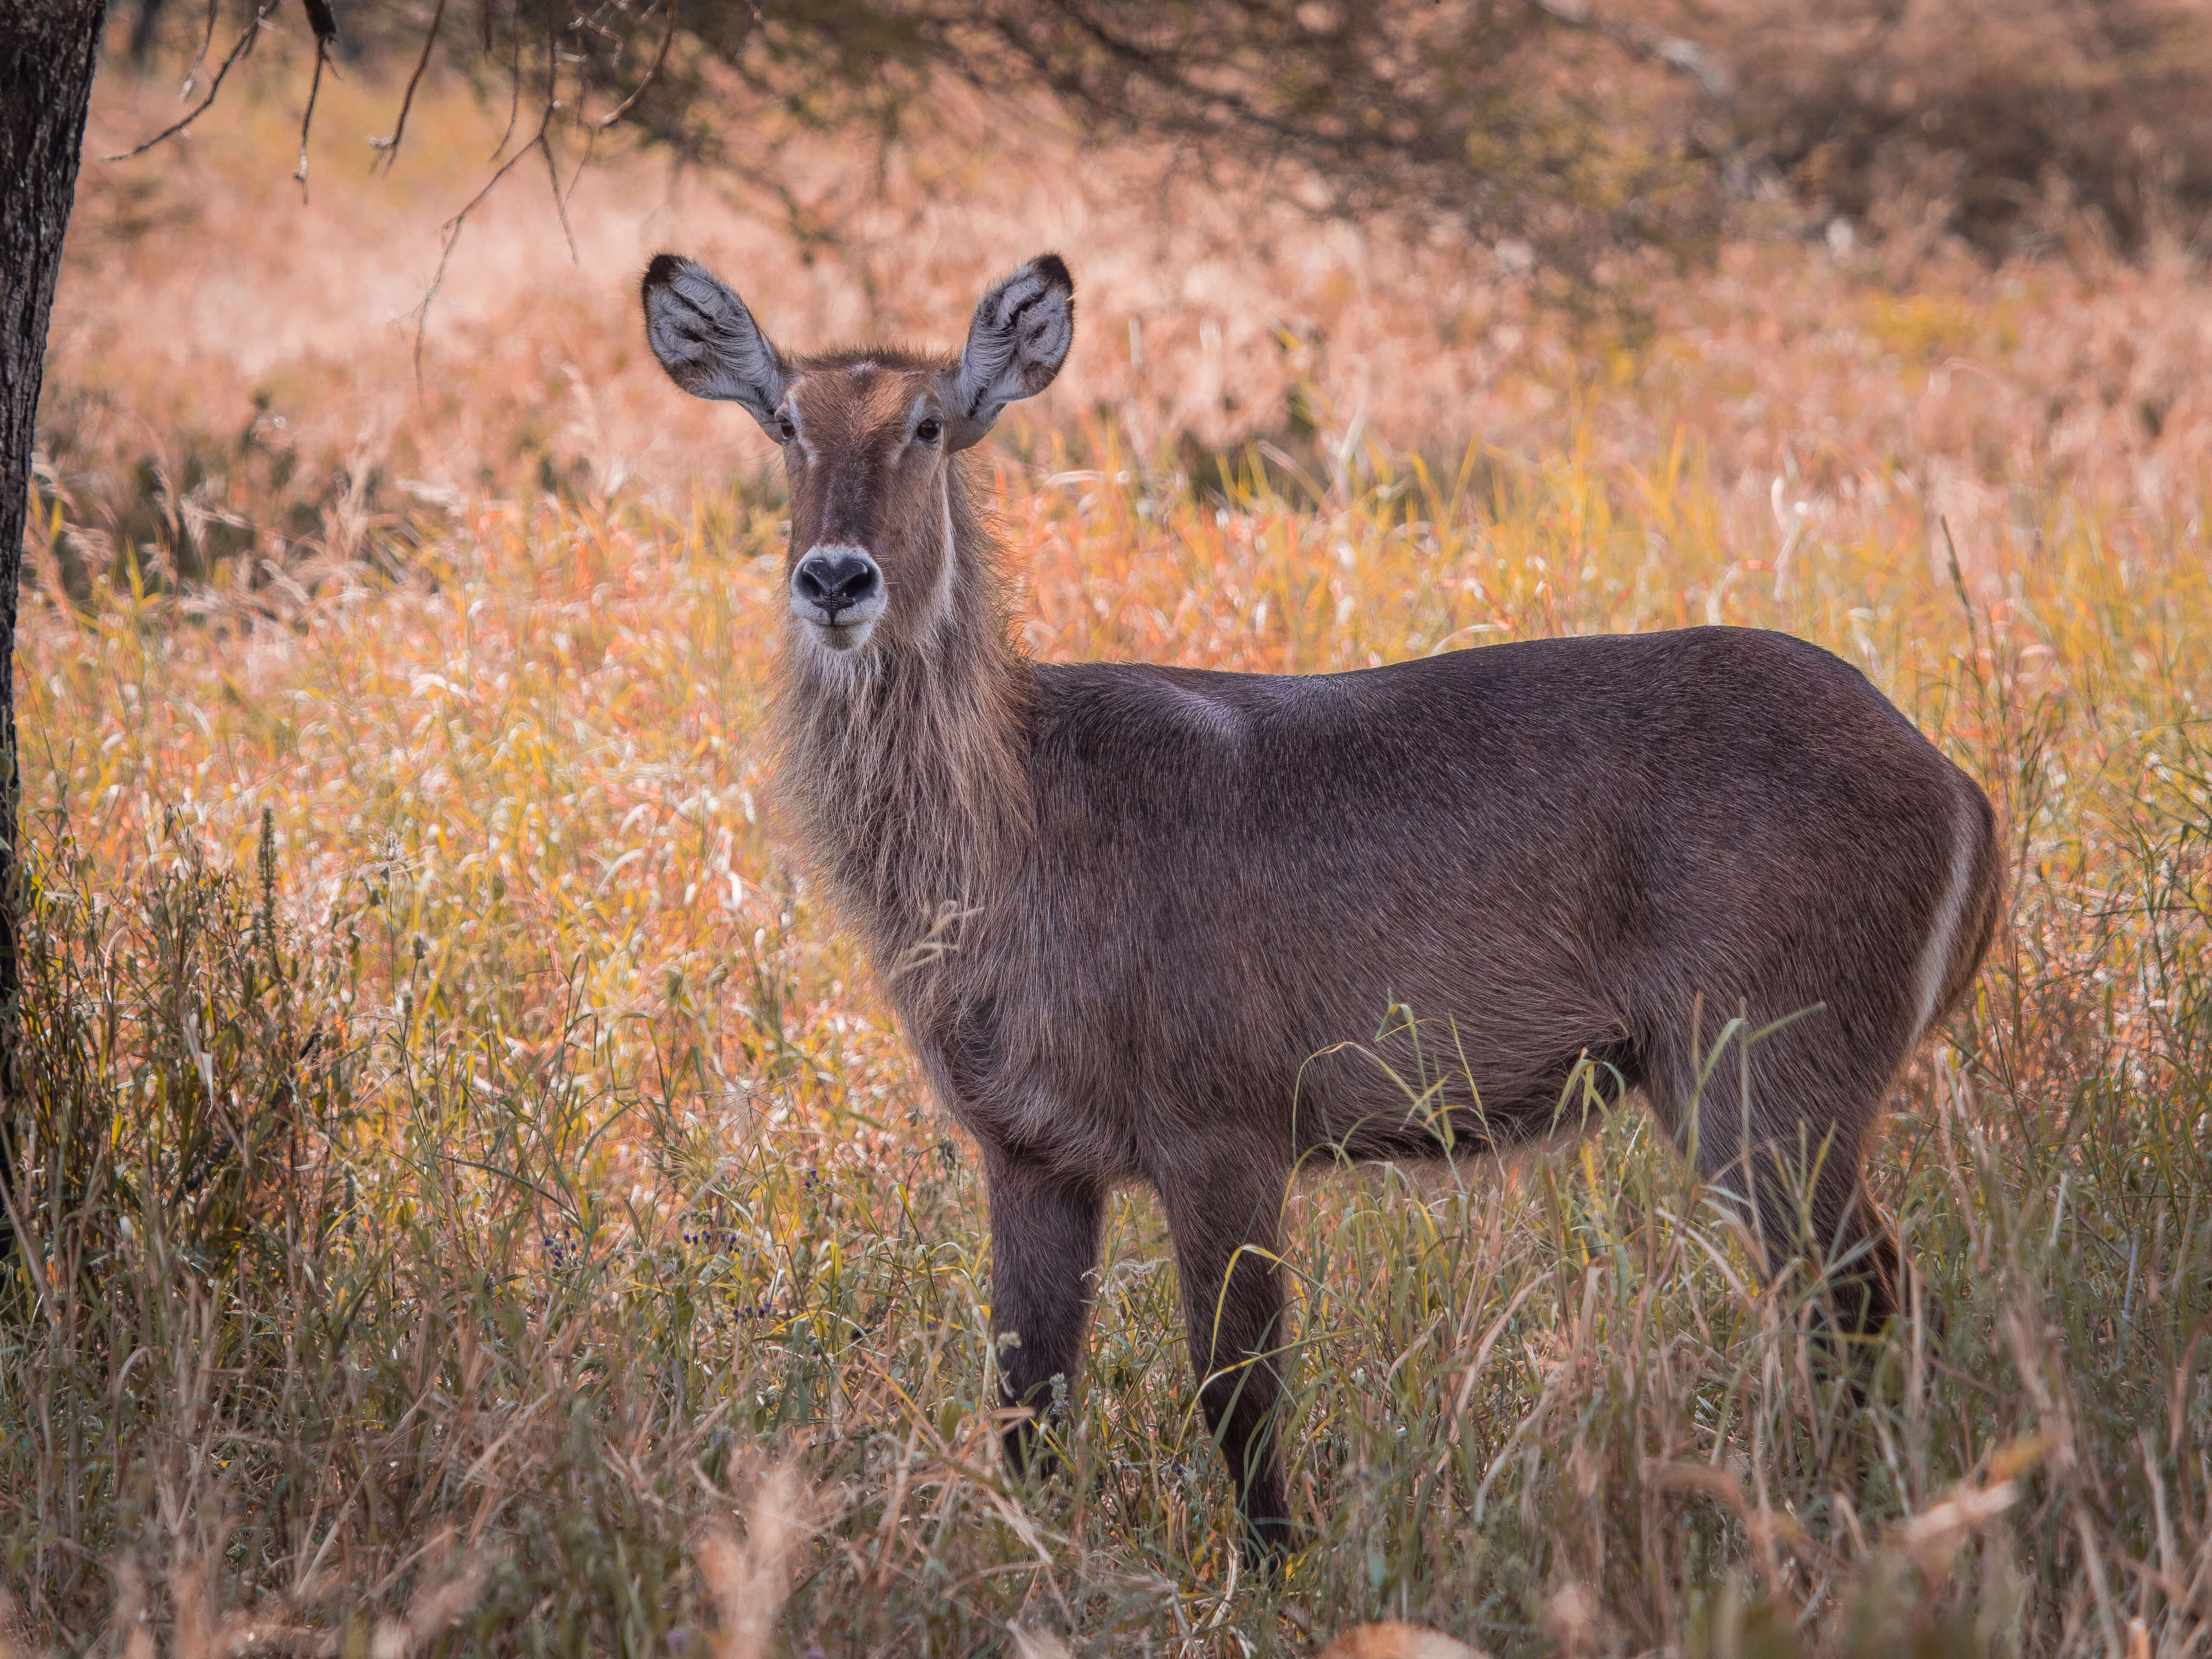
[[1151, 924], [1551, 853]]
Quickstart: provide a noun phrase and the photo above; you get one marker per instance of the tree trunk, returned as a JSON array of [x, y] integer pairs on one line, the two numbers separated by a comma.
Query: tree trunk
[[48, 52]]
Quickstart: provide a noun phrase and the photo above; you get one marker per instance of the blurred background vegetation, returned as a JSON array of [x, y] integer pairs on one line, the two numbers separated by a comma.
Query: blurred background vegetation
[[1583, 155], [1587, 131], [474, 1199]]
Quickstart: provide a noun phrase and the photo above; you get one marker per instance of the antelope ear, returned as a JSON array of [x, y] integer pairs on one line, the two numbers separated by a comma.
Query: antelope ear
[[708, 341], [1019, 340]]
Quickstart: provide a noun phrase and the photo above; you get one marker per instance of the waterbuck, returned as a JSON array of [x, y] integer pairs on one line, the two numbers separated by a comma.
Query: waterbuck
[[1144, 923]]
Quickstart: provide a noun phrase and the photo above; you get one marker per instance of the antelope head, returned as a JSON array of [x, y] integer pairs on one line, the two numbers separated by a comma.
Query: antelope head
[[868, 437]]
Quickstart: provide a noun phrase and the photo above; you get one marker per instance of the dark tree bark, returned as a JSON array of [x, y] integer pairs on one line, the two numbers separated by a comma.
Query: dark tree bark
[[48, 52]]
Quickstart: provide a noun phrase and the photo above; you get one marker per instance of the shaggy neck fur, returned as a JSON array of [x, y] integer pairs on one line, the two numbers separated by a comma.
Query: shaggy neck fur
[[905, 765]]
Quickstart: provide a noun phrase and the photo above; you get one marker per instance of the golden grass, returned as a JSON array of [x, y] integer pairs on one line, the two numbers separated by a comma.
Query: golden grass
[[604, 1210]]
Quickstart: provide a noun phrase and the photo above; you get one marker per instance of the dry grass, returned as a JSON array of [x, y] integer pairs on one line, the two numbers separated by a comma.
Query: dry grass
[[488, 1206]]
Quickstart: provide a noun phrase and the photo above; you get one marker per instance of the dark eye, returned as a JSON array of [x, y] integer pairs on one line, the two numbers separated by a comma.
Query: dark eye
[[929, 428], [785, 425]]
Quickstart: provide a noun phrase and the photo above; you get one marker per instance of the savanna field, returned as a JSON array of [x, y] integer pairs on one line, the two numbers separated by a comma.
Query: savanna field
[[475, 1200]]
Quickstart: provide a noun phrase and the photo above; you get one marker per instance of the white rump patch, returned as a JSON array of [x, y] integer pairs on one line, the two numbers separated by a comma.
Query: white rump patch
[[1935, 955]]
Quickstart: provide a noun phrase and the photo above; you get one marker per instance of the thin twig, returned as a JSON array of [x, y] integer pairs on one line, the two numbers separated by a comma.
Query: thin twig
[[314, 89], [591, 141], [244, 43], [552, 68], [390, 147], [513, 85], [540, 140], [450, 232], [199, 58], [667, 38], [543, 141], [560, 205]]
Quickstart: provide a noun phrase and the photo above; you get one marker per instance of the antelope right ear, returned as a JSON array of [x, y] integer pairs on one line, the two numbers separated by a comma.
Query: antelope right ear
[[1019, 340], [708, 341]]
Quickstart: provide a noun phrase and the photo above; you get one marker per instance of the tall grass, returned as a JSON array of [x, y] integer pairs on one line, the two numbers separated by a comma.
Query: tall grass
[[474, 1200], [465, 1173]]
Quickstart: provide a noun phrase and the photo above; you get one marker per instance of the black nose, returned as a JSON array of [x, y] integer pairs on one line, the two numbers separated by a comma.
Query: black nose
[[836, 580]]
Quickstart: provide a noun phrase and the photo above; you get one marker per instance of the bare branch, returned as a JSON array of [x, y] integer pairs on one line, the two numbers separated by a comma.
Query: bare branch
[[590, 143], [560, 202], [449, 234], [306, 121], [667, 38], [513, 85], [199, 58], [552, 67], [324, 23], [390, 146], [245, 44], [541, 142]]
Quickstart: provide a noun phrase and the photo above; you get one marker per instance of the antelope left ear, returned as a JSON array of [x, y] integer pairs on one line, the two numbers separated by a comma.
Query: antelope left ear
[[1019, 340]]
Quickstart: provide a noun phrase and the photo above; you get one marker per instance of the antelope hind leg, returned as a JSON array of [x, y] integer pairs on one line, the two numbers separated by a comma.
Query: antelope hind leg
[[1227, 1227], [1811, 1108]]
